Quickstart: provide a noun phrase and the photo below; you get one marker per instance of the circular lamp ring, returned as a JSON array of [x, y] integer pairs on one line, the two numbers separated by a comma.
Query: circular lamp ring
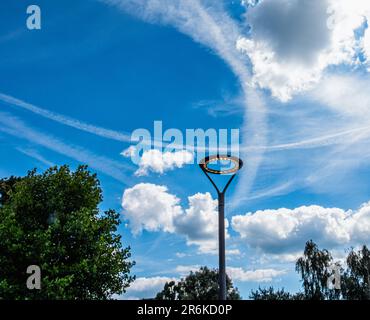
[[238, 163]]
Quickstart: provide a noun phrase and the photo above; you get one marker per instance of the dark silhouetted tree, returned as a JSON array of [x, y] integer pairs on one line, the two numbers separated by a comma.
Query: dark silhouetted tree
[[312, 268], [270, 294], [355, 281]]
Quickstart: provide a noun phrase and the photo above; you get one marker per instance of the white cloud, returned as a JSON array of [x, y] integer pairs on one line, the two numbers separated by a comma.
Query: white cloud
[[366, 46], [159, 162], [286, 230], [295, 30], [259, 275], [199, 223], [184, 270], [359, 224], [249, 2], [151, 207], [293, 42], [180, 255], [346, 94], [282, 257], [237, 273], [207, 23], [233, 252], [146, 287]]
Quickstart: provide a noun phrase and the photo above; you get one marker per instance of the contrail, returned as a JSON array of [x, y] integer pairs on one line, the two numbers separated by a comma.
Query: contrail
[[13, 126], [321, 141], [35, 155], [80, 125], [67, 121], [203, 25]]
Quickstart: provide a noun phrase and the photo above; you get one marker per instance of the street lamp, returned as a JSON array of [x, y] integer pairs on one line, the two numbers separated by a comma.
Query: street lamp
[[236, 166]]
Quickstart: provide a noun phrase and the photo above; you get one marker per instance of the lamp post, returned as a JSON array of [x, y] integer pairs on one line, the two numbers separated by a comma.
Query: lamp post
[[237, 165]]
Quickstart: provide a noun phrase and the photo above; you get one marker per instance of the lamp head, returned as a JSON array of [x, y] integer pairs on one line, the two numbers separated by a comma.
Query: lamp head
[[236, 162]]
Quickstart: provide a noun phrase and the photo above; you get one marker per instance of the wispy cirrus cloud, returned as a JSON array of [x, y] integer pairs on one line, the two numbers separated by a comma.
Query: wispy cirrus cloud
[[319, 123], [65, 120], [268, 142], [32, 153], [208, 23], [17, 128]]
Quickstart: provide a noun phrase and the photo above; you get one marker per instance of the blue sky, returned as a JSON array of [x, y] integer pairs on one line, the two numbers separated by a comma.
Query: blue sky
[[74, 91]]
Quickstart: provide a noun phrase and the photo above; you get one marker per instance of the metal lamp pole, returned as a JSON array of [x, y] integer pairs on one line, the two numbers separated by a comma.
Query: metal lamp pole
[[221, 213]]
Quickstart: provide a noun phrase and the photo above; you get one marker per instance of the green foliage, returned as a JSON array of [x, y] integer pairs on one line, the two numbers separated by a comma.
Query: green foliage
[[313, 270], [6, 186], [52, 220], [271, 294], [356, 279], [199, 285]]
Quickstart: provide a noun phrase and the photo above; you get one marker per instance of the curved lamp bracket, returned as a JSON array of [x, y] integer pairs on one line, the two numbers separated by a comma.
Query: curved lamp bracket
[[237, 165]]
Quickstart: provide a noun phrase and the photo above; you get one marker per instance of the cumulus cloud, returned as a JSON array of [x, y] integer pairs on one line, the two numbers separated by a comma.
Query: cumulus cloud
[[233, 252], [199, 223], [359, 224], [180, 254], [285, 230], [366, 46], [293, 42], [159, 162], [296, 30], [249, 2], [259, 275], [146, 287], [151, 207], [186, 269], [238, 273], [207, 23]]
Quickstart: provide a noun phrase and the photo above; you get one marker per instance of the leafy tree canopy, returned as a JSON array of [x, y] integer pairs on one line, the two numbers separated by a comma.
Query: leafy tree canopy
[[198, 285], [272, 294], [52, 220], [356, 279], [314, 270]]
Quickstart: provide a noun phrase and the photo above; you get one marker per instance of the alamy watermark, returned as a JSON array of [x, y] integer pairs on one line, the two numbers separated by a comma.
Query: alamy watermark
[[34, 280], [200, 142], [334, 280], [33, 21]]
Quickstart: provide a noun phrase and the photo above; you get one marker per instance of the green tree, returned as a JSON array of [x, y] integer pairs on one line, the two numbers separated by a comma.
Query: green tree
[[270, 294], [313, 268], [52, 220], [199, 285], [356, 279], [6, 186]]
